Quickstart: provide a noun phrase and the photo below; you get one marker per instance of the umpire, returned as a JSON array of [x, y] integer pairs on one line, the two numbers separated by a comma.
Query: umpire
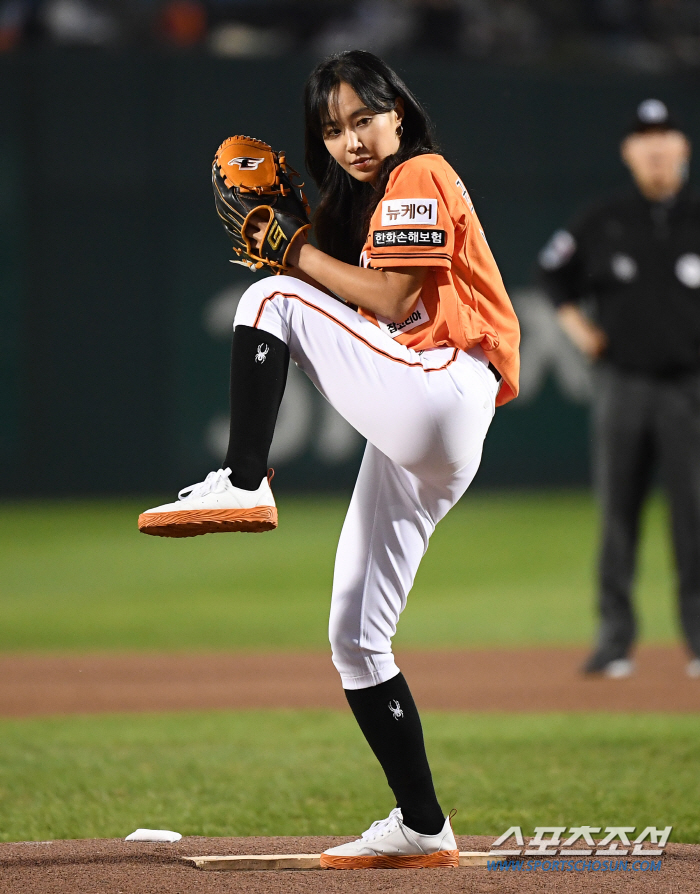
[[625, 278]]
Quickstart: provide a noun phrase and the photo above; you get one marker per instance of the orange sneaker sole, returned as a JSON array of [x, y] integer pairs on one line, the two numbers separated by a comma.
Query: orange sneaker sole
[[438, 860], [192, 522]]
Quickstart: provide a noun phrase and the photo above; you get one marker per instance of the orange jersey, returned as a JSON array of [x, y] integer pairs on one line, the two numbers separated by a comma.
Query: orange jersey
[[426, 219]]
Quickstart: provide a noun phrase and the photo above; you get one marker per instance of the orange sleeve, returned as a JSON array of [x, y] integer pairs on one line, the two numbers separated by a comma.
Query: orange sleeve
[[412, 226]]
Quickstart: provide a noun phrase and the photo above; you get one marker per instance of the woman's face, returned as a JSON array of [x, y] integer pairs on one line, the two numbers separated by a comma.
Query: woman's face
[[358, 138]]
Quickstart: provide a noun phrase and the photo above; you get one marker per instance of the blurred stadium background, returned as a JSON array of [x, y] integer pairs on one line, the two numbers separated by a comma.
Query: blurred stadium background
[[116, 303], [116, 293]]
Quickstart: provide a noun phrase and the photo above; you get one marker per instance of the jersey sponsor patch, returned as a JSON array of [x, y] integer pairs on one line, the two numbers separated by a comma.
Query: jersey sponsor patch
[[417, 318], [409, 211], [409, 236]]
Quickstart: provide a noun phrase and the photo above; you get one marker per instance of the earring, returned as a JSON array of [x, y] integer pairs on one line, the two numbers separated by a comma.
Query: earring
[[399, 131]]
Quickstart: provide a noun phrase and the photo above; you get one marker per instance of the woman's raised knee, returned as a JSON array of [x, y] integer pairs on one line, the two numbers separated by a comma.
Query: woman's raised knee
[[255, 295]]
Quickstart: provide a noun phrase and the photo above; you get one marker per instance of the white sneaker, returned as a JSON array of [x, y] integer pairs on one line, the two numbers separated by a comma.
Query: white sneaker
[[692, 668], [211, 506], [389, 844], [619, 669]]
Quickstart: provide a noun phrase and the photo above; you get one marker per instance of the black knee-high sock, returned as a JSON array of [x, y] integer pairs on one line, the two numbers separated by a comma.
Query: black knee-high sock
[[259, 364], [389, 719]]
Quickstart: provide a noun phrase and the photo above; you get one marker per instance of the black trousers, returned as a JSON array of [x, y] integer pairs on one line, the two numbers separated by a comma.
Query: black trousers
[[641, 423]]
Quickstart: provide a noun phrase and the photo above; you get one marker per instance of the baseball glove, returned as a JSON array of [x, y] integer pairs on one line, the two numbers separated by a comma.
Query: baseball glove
[[247, 176]]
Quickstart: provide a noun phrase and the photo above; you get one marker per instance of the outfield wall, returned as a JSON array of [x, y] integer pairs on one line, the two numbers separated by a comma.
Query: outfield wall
[[116, 295]]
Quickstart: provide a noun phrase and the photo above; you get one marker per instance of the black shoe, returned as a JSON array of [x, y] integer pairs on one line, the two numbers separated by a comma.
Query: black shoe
[[609, 664]]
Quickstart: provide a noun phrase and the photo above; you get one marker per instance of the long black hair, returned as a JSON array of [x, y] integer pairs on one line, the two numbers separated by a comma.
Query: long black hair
[[342, 218]]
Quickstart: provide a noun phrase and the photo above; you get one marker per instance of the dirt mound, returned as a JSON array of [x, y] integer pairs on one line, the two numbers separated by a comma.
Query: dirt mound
[[115, 866]]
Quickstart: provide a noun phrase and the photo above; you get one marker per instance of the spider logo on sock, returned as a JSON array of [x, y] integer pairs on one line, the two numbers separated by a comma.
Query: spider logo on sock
[[395, 709], [263, 350]]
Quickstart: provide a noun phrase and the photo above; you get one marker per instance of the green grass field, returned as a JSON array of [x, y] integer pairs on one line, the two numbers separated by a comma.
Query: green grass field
[[502, 569], [310, 773]]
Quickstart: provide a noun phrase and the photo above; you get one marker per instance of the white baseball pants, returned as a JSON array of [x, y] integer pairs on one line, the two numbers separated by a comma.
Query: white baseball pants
[[425, 416]]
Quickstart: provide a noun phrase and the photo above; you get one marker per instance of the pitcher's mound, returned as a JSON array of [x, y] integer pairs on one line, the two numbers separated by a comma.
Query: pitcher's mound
[[113, 865]]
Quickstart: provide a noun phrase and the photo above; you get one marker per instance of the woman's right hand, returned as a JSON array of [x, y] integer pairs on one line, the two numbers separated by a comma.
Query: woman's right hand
[[298, 242], [255, 233], [255, 229]]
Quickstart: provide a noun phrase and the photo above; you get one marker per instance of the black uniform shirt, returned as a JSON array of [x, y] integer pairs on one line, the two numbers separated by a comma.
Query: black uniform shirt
[[639, 263]]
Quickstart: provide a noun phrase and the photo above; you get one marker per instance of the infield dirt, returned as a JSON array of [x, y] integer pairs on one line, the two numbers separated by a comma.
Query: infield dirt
[[524, 680]]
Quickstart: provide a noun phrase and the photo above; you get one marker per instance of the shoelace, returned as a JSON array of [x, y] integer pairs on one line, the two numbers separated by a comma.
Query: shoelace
[[382, 825], [202, 488]]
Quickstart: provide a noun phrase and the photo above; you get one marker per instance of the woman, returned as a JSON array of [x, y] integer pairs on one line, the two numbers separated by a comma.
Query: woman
[[416, 357]]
